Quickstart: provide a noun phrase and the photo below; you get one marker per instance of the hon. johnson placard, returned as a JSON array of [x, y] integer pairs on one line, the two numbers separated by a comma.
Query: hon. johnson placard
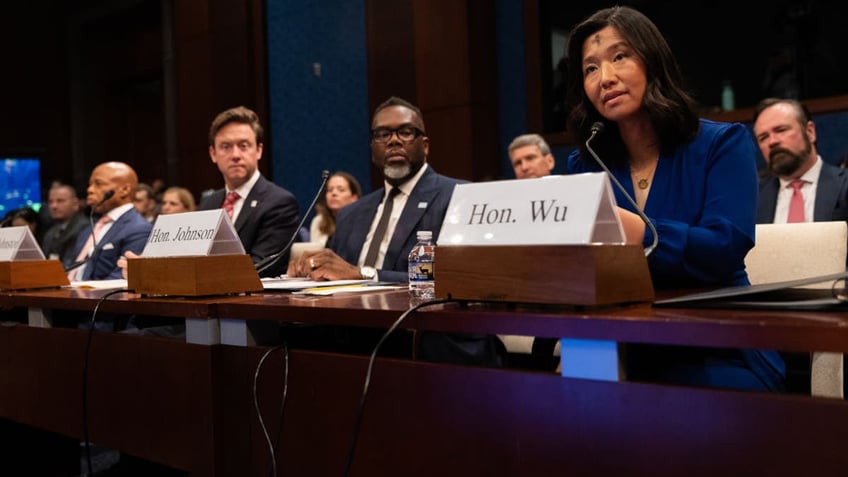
[[572, 209], [207, 232]]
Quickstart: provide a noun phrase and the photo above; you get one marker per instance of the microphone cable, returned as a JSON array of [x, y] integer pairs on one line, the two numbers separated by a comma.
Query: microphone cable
[[597, 128], [106, 196], [85, 437], [360, 410], [271, 260], [272, 446]]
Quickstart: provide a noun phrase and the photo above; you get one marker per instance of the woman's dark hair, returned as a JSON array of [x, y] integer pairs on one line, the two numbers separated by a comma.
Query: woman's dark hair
[[28, 214], [671, 110]]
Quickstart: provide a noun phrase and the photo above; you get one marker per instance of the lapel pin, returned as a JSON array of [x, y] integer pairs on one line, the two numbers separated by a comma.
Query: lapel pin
[[252, 203], [422, 205]]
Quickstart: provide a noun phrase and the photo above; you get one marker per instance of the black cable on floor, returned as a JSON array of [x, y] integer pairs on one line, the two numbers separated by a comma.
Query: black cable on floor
[[85, 438], [358, 422], [272, 446]]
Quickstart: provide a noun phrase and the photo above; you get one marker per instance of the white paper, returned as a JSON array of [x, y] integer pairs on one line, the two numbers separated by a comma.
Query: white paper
[[285, 283], [100, 284]]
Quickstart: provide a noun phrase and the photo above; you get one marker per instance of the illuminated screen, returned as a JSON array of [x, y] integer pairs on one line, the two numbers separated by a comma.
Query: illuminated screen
[[20, 184]]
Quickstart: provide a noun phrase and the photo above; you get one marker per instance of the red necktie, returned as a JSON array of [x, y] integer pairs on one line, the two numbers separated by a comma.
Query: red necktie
[[229, 202], [89, 245], [796, 204]]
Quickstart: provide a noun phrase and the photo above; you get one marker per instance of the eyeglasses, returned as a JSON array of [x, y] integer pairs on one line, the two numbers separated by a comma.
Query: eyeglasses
[[404, 133]]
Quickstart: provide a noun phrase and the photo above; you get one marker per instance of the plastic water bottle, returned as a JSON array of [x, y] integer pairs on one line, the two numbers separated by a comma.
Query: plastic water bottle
[[728, 102], [422, 267]]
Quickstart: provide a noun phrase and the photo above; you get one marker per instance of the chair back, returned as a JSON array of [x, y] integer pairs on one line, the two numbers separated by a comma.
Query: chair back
[[785, 252]]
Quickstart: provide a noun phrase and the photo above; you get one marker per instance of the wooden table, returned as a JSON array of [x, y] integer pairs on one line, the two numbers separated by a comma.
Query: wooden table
[[190, 405]]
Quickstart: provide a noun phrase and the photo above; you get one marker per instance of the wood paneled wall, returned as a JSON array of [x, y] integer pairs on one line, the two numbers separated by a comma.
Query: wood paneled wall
[[440, 55]]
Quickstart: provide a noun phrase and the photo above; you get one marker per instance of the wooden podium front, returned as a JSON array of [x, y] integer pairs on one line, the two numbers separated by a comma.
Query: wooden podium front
[[193, 276], [27, 274], [549, 274]]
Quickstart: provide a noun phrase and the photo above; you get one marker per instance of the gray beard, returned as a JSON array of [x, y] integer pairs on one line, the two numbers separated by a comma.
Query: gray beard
[[397, 172]]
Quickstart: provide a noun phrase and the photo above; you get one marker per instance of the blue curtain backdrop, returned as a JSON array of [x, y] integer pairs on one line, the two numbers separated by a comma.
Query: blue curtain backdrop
[[318, 90]]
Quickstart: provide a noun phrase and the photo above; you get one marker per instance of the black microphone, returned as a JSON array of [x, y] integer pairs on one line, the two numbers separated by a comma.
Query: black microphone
[[106, 196], [270, 260], [597, 128]]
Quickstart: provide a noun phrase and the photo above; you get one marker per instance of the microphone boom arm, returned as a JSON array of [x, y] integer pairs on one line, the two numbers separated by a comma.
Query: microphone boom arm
[[597, 128], [270, 260]]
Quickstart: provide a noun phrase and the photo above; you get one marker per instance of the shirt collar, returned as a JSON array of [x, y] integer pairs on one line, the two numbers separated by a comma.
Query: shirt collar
[[811, 176], [244, 189], [117, 212]]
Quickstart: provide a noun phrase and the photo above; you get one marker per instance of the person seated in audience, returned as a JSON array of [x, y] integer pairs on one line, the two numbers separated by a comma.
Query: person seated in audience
[[176, 200], [264, 214], [68, 222], [22, 217], [120, 228], [342, 189], [786, 135], [531, 156], [695, 179], [414, 197], [145, 202]]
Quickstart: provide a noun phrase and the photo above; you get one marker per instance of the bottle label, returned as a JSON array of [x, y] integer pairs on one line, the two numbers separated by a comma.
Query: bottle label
[[421, 271]]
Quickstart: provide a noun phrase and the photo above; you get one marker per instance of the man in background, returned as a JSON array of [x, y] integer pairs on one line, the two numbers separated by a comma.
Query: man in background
[[786, 135], [263, 213], [801, 187], [145, 202], [59, 240], [530, 156]]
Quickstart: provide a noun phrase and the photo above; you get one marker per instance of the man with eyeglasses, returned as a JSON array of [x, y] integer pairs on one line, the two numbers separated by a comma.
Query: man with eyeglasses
[[417, 198], [263, 213]]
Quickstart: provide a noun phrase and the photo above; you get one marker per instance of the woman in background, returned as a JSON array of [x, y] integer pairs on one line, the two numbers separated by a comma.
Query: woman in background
[[695, 179], [176, 200], [25, 216], [342, 189]]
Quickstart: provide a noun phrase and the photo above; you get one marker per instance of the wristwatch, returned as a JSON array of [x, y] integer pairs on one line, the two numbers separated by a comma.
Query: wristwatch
[[367, 273]]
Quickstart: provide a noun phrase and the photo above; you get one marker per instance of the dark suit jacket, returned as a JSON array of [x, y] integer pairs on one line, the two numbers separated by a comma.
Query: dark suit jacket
[[831, 196], [425, 210], [61, 239], [266, 223], [129, 232], [433, 191]]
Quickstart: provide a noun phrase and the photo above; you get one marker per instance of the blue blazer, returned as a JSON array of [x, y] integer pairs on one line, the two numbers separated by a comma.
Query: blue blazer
[[129, 232], [425, 210], [831, 196], [266, 223]]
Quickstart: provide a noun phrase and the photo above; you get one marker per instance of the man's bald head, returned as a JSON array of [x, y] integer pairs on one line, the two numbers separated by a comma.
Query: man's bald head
[[115, 176]]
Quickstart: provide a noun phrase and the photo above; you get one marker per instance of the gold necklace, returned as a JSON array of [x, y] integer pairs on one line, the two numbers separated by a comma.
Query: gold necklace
[[644, 182]]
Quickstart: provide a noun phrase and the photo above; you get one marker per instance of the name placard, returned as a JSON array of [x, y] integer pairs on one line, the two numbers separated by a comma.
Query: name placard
[[573, 209], [206, 232], [17, 243]]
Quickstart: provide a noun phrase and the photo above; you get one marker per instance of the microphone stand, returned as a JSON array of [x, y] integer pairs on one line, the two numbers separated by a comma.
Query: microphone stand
[[106, 196], [597, 128], [271, 260]]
